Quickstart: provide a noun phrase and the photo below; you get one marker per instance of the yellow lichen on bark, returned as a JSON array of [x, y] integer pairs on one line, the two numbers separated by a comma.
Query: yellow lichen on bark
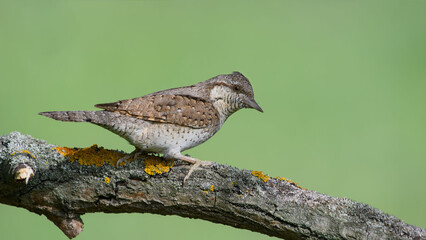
[[107, 180], [93, 155], [266, 178], [156, 165], [24, 151], [260, 175], [291, 182], [211, 189]]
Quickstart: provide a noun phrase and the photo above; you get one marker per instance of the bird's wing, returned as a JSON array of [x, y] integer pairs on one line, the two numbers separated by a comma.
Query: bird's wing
[[167, 108]]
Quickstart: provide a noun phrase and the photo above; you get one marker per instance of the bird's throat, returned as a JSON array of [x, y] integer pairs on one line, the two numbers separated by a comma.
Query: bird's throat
[[224, 101]]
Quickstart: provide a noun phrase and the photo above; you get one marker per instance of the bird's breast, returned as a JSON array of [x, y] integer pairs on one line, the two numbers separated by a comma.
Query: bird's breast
[[161, 137]]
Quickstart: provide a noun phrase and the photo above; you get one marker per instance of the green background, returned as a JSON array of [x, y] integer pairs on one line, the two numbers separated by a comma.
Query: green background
[[342, 84]]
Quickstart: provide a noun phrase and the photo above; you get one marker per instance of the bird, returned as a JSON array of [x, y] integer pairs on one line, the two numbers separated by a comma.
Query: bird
[[170, 121]]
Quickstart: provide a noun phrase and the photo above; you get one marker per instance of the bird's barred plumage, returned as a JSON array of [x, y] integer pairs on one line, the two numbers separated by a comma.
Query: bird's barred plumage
[[181, 110]]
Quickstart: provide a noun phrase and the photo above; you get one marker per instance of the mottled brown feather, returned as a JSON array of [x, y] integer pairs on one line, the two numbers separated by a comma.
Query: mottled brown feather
[[167, 108]]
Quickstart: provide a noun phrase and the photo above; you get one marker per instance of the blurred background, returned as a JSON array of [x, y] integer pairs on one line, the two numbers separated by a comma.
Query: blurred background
[[342, 84]]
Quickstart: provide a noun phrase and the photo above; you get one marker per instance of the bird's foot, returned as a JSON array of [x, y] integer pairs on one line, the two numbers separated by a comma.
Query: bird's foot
[[133, 155], [195, 164]]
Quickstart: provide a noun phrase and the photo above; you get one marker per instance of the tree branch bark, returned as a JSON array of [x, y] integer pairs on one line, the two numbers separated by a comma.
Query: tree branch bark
[[63, 191]]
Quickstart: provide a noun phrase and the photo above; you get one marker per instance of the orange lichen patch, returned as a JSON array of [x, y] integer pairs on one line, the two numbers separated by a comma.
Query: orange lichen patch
[[107, 180], [66, 152], [156, 165], [93, 155], [260, 175], [24, 151]]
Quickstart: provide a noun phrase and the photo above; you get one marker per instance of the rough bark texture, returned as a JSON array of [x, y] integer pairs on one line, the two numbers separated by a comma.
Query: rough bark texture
[[63, 191]]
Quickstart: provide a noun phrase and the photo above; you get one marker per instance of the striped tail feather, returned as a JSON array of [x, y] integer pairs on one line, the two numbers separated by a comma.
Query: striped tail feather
[[97, 117]]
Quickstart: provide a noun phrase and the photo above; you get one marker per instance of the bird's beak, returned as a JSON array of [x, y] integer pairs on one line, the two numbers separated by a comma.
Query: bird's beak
[[251, 103]]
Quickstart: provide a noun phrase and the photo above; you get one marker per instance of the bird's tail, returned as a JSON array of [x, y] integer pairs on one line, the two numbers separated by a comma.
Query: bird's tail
[[97, 117]]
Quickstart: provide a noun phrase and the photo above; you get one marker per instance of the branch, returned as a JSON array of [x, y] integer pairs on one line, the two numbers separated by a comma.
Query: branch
[[84, 181]]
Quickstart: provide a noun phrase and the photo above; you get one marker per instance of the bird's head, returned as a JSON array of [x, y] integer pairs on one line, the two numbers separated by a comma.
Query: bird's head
[[232, 92]]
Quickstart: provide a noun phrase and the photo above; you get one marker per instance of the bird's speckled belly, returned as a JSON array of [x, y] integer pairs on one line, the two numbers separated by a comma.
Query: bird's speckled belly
[[159, 137]]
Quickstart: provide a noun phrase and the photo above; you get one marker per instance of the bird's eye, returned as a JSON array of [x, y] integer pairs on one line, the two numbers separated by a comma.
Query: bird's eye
[[237, 88]]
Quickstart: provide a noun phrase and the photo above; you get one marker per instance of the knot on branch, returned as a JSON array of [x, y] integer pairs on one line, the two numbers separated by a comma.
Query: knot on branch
[[71, 227]]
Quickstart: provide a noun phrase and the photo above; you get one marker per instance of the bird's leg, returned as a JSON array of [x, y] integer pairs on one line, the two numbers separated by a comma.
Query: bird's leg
[[195, 164], [133, 155]]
